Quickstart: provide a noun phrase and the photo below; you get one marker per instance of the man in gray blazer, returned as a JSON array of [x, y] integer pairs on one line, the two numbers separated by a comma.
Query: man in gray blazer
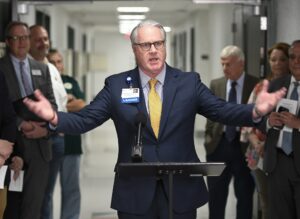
[[223, 146], [24, 75]]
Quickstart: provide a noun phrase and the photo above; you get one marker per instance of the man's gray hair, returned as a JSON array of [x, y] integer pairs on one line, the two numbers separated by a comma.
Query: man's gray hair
[[232, 51], [152, 23]]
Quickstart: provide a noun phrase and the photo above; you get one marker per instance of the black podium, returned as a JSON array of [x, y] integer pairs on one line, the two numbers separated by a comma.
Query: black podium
[[159, 169]]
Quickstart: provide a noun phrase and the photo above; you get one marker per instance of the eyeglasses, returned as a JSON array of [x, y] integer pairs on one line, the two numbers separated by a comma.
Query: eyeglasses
[[147, 46], [19, 38]]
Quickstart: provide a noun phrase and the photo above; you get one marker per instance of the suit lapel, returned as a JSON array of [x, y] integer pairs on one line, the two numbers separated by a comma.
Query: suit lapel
[[11, 79], [246, 90], [36, 77], [141, 105], [33, 78], [168, 96], [286, 84], [169, 92], [136, 82], [222, 89]]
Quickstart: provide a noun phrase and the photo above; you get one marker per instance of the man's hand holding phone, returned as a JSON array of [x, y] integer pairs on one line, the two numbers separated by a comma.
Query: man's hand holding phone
[[289, 119], [283, 117], [280, 110], [275, 118]]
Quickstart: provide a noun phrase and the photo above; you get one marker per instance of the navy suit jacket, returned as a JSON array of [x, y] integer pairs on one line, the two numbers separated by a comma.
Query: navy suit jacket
[[184, 96]]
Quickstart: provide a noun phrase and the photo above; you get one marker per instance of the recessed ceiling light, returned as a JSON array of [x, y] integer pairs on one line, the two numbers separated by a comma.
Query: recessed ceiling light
[[126, 26], [133, 9], [168, 29]]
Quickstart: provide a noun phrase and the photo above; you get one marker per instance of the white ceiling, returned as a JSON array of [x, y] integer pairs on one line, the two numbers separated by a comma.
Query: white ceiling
[[103, 14]]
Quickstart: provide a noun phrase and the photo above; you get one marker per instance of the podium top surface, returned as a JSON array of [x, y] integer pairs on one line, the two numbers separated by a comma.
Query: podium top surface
[[165, 168]]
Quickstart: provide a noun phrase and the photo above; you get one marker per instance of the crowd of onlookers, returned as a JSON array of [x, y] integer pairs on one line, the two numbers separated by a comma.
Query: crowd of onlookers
[[267, 157], [258, 156], [27, 145]]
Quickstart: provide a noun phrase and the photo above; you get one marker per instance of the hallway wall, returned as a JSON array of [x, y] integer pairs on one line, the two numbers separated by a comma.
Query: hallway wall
[[117, 50], [288, 20], [212, 32], [59, 23]]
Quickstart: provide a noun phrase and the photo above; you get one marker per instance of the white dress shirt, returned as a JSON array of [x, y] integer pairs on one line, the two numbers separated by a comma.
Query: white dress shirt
[[60, 94]]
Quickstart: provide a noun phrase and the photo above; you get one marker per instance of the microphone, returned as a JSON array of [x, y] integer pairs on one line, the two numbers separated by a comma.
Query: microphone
[[137, 149]]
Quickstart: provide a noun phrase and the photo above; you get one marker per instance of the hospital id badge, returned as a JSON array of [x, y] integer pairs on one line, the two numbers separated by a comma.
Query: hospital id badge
[[130, 95]]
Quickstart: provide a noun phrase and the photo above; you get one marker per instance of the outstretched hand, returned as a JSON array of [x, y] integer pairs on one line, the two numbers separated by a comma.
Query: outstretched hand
[[265, 101], [41, 107]]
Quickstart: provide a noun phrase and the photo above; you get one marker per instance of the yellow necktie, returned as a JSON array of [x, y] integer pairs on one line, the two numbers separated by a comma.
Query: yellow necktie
[[155, 107]]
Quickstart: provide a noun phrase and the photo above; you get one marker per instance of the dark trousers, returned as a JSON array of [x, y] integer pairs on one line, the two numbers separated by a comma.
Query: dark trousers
[[13, 208], [262, 191], [159, 208], [236, 167], [284, 189]]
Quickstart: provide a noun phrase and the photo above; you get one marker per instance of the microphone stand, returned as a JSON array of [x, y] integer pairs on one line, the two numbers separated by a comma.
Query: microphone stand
[[137, 149]]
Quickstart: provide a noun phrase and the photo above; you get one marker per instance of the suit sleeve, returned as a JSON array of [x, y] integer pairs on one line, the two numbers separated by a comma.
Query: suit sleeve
[[209, 123], [8, 116], [218, 110], [92, 115]]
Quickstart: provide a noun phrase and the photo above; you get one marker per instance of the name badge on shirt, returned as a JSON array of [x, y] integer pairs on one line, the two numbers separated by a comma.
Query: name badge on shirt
[[130, 95], [36, 72], [68, 85]]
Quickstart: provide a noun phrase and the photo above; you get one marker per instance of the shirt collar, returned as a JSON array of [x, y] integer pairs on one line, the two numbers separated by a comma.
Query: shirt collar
[[45, 61], [293, 79], [239, 81], [15, 60], [145, 78]]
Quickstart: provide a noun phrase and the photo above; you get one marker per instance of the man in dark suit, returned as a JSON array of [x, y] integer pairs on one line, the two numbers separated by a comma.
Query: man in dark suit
[[23, 76], [281, 157], [7, 123], [227, 148], [168, 135], [7, 134]]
